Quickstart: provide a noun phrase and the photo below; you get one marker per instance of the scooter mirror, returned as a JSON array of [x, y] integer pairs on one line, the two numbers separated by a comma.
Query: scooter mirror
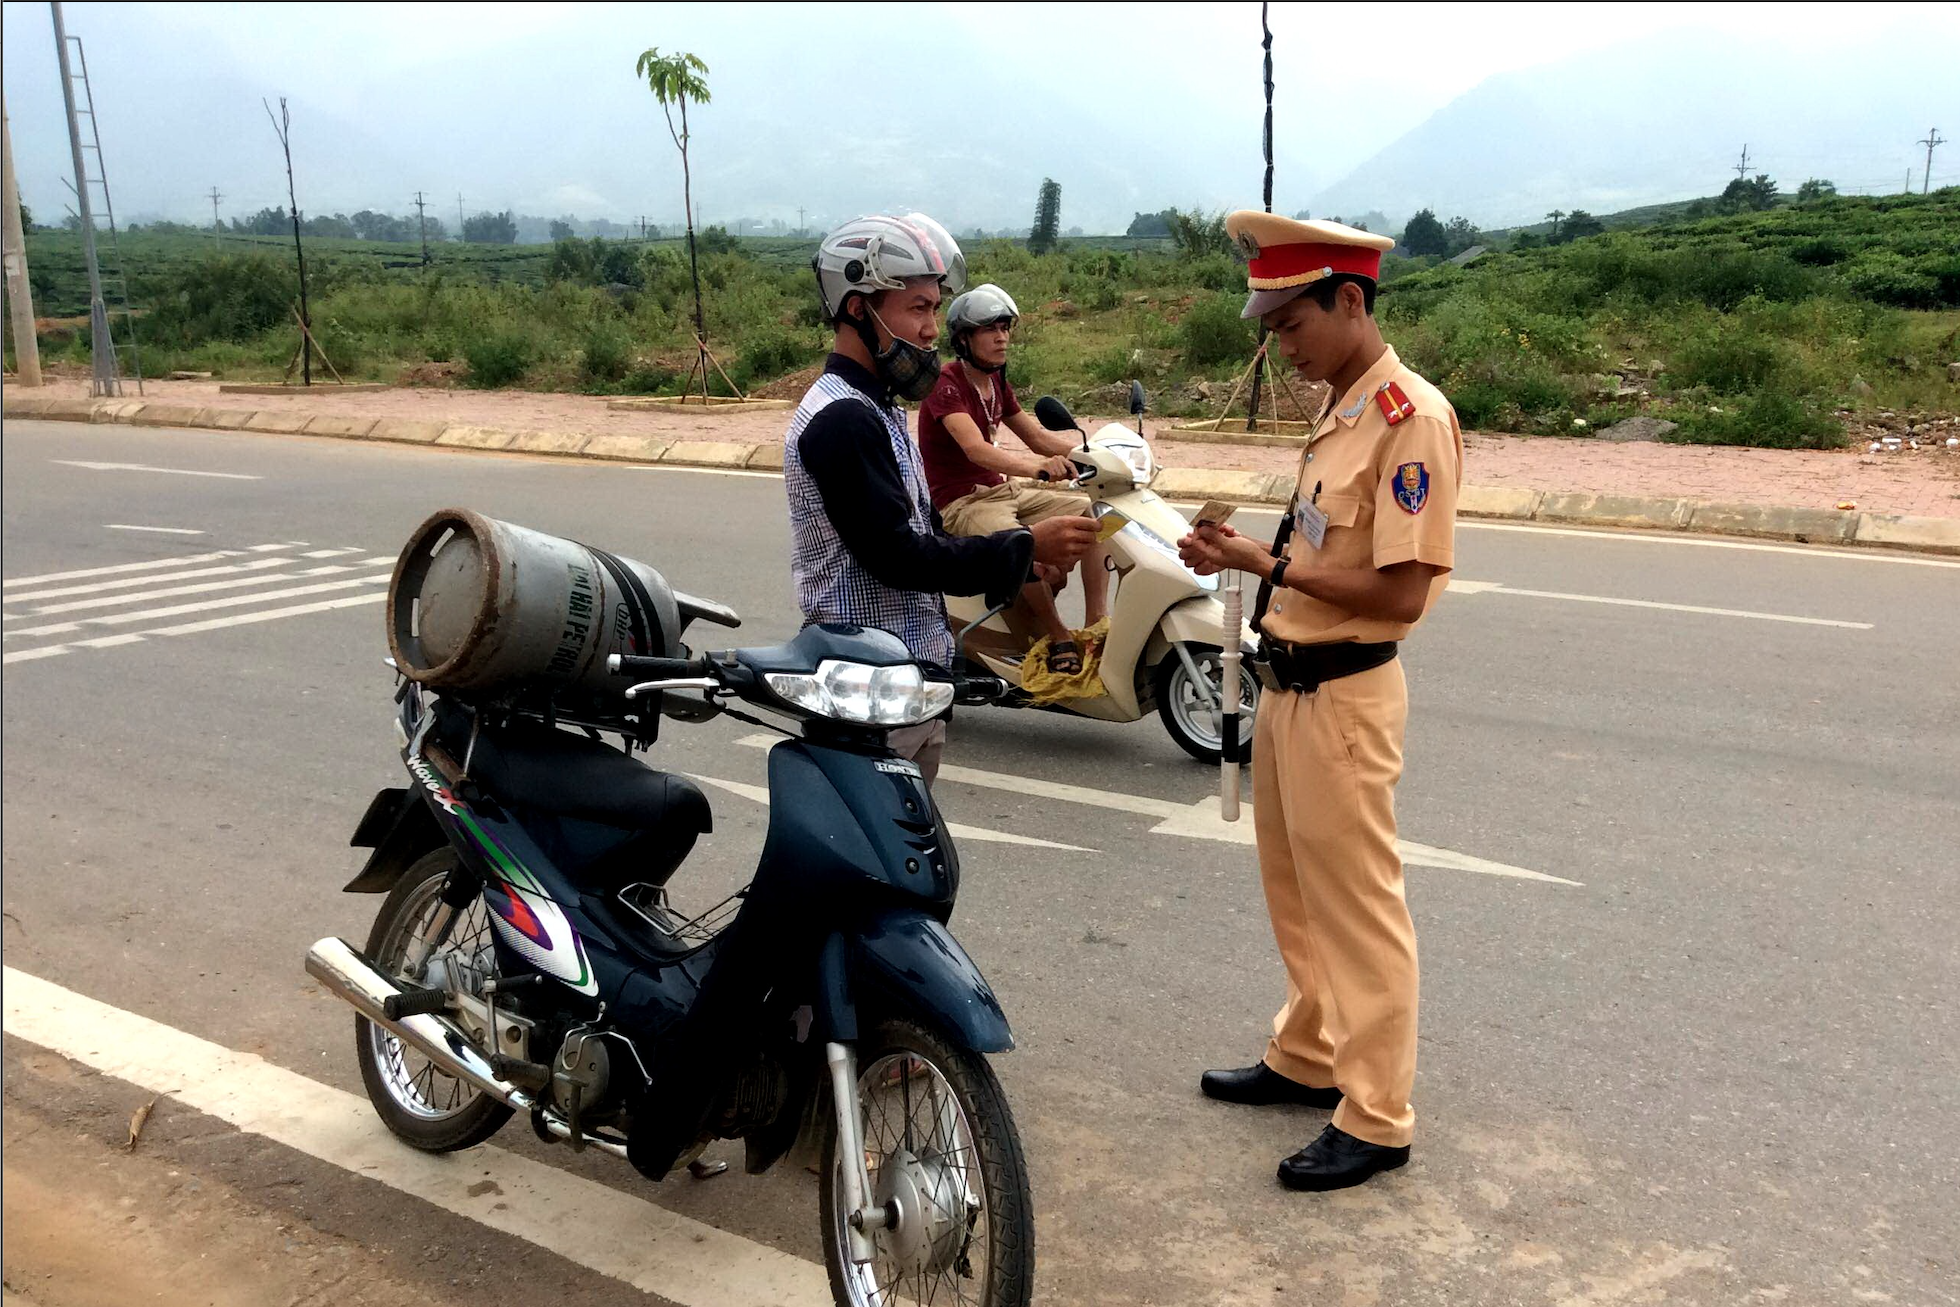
[[1136, 397], [1054, 415]]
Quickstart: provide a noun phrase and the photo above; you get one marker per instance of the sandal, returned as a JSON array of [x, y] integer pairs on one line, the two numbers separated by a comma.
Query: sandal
[[1065, 658]]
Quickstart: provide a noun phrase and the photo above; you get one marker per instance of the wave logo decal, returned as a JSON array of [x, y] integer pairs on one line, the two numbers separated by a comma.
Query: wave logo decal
[[528, 919]]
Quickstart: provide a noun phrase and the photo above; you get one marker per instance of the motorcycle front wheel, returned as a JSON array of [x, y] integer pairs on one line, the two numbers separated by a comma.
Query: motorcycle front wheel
[[1185, 707], [941, 1150], [421, 1104]]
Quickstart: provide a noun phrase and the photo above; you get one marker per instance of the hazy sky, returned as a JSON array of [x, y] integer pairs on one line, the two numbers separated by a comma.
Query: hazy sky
[[957, 108]]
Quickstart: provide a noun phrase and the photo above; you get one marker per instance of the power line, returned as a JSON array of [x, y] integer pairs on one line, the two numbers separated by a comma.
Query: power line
[[1933, 138]]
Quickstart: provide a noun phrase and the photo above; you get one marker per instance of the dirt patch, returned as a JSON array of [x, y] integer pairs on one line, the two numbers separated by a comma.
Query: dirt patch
[[92, 1226], [791, 386], [444, 376]]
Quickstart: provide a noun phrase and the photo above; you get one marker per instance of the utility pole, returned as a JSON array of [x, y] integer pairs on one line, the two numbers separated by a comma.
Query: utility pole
[[459, 215], [422, 221], [20, 293], [1933, 138], [102, 349], [1742, 165], [799, 220], [217, 227]]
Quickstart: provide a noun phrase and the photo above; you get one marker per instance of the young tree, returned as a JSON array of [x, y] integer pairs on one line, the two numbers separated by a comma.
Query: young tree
[[1424, 235], [561, 230], [1815, 189], [1047, 232], [1554, 215], [674, 80]]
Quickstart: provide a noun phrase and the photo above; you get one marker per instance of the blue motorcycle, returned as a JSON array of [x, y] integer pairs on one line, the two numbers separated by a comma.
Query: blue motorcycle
[[528, 957]]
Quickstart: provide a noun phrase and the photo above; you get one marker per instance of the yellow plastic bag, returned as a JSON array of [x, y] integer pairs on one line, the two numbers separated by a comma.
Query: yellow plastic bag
[[1042, 684]]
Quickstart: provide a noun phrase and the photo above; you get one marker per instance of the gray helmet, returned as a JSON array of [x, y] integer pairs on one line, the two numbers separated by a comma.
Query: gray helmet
[[879, 252], [982, 306]]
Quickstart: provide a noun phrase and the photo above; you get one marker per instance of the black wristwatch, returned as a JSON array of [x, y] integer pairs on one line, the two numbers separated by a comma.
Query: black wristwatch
[[1278, 578]]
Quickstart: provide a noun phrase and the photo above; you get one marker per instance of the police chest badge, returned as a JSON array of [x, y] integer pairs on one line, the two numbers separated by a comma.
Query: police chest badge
[[1412, 487]]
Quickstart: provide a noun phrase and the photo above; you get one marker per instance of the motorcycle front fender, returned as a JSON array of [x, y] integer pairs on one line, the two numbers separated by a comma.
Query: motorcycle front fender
[[908, 963]]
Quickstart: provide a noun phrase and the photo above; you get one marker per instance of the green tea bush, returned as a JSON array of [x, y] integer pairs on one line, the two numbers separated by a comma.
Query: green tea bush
[[225, 297]]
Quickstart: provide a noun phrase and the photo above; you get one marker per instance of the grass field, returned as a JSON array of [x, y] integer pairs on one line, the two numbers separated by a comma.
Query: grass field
[[1762, 328]]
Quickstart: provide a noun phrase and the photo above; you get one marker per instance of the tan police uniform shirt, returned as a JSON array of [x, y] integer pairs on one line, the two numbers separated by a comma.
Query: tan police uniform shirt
[[1389, 492]]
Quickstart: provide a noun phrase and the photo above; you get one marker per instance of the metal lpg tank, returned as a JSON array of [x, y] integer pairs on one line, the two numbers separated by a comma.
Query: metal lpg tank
[[480, 605]]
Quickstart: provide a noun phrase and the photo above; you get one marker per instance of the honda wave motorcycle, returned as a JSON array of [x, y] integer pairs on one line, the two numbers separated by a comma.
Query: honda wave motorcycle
[[528, 959]]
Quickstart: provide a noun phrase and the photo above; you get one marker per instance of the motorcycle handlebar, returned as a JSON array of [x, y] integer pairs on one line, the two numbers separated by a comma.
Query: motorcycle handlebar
[[656, 668]]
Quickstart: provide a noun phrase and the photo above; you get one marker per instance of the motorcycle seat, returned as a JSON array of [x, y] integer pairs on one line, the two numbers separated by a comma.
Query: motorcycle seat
[[531, 765]]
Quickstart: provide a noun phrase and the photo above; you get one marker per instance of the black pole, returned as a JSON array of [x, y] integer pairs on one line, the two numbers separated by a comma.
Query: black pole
[[283, 124], [1259, 367]]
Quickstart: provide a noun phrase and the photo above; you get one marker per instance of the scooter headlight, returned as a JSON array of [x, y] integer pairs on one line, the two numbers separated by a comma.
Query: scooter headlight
[[869, 696]]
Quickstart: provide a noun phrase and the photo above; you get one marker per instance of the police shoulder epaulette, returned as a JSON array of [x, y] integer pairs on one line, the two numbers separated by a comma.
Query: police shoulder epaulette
[[1395, 405]]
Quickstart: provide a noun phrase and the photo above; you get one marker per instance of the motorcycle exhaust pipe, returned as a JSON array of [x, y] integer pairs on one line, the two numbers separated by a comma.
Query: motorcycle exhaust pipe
[[348, 975]]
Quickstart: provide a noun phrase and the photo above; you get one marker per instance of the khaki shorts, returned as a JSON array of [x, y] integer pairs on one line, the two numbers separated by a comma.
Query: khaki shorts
[[1008, 505]]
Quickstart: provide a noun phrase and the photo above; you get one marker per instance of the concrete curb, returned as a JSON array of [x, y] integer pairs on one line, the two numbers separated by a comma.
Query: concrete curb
[[1937, 535]]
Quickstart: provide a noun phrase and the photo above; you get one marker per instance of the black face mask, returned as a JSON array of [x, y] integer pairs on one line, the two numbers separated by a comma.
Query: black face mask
[[910, 370]]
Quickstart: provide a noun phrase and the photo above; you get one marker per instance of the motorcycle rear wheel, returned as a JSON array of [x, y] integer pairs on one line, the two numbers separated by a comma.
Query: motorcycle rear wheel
[[937, 1127], [420, 1104]]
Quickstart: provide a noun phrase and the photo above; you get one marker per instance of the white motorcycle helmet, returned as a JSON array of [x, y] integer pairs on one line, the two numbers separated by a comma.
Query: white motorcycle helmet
[[882, 252], [982, 306], [879, 252]]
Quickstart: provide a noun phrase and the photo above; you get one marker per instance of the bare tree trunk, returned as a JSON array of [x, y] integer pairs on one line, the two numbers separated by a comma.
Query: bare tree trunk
[[283, 125], [693, 262]]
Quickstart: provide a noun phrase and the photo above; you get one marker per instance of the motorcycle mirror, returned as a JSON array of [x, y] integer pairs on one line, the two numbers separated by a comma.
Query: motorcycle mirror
[[1054, 415], [1136, 397]]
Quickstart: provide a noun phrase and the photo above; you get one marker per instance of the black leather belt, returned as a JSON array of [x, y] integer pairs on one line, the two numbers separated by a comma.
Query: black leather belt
[[1306, 667]]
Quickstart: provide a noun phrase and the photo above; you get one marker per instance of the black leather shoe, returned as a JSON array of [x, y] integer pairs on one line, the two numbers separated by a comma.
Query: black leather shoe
[[1337, 1160], [1259, 1085]]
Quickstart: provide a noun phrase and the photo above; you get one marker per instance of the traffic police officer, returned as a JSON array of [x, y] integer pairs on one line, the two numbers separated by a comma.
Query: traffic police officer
[[1365, 551]]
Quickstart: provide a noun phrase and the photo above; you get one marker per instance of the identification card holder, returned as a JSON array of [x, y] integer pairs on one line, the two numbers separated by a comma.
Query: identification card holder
[[1311, 523]]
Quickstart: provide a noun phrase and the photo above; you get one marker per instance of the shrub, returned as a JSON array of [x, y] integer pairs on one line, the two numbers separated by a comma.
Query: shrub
[[1212, 332], [773, 354], [606, 355], [1730, 361], [1769, 419], [499, 357]]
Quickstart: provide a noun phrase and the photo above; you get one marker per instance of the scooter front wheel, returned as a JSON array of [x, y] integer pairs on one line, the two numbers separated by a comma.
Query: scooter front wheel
[[942, 1154], [1186, 706]]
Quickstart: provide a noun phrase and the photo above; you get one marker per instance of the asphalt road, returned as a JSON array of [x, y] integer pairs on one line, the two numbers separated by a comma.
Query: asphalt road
[[1721, 1067]]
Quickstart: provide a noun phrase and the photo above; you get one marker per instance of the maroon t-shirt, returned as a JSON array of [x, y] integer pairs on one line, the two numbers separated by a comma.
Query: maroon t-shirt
[[950, 474]]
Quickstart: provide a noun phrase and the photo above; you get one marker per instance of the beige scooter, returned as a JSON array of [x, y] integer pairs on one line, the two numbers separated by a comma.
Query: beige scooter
[[1166, 622]]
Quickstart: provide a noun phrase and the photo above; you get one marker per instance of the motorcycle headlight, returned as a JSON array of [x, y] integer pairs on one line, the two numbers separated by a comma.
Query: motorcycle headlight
[[869, 696]]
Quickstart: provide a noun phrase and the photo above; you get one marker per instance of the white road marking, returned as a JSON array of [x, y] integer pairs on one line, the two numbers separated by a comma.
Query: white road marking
[[1198, 821], [1488, 588], [268, 615], [1498, 587], [130, 582], [193, 628], [760, 794], [144, 467], [203, 587], [1702, 542], [151, 566], [206, 605], [654, 1250], [703, 471], [161, 530]]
